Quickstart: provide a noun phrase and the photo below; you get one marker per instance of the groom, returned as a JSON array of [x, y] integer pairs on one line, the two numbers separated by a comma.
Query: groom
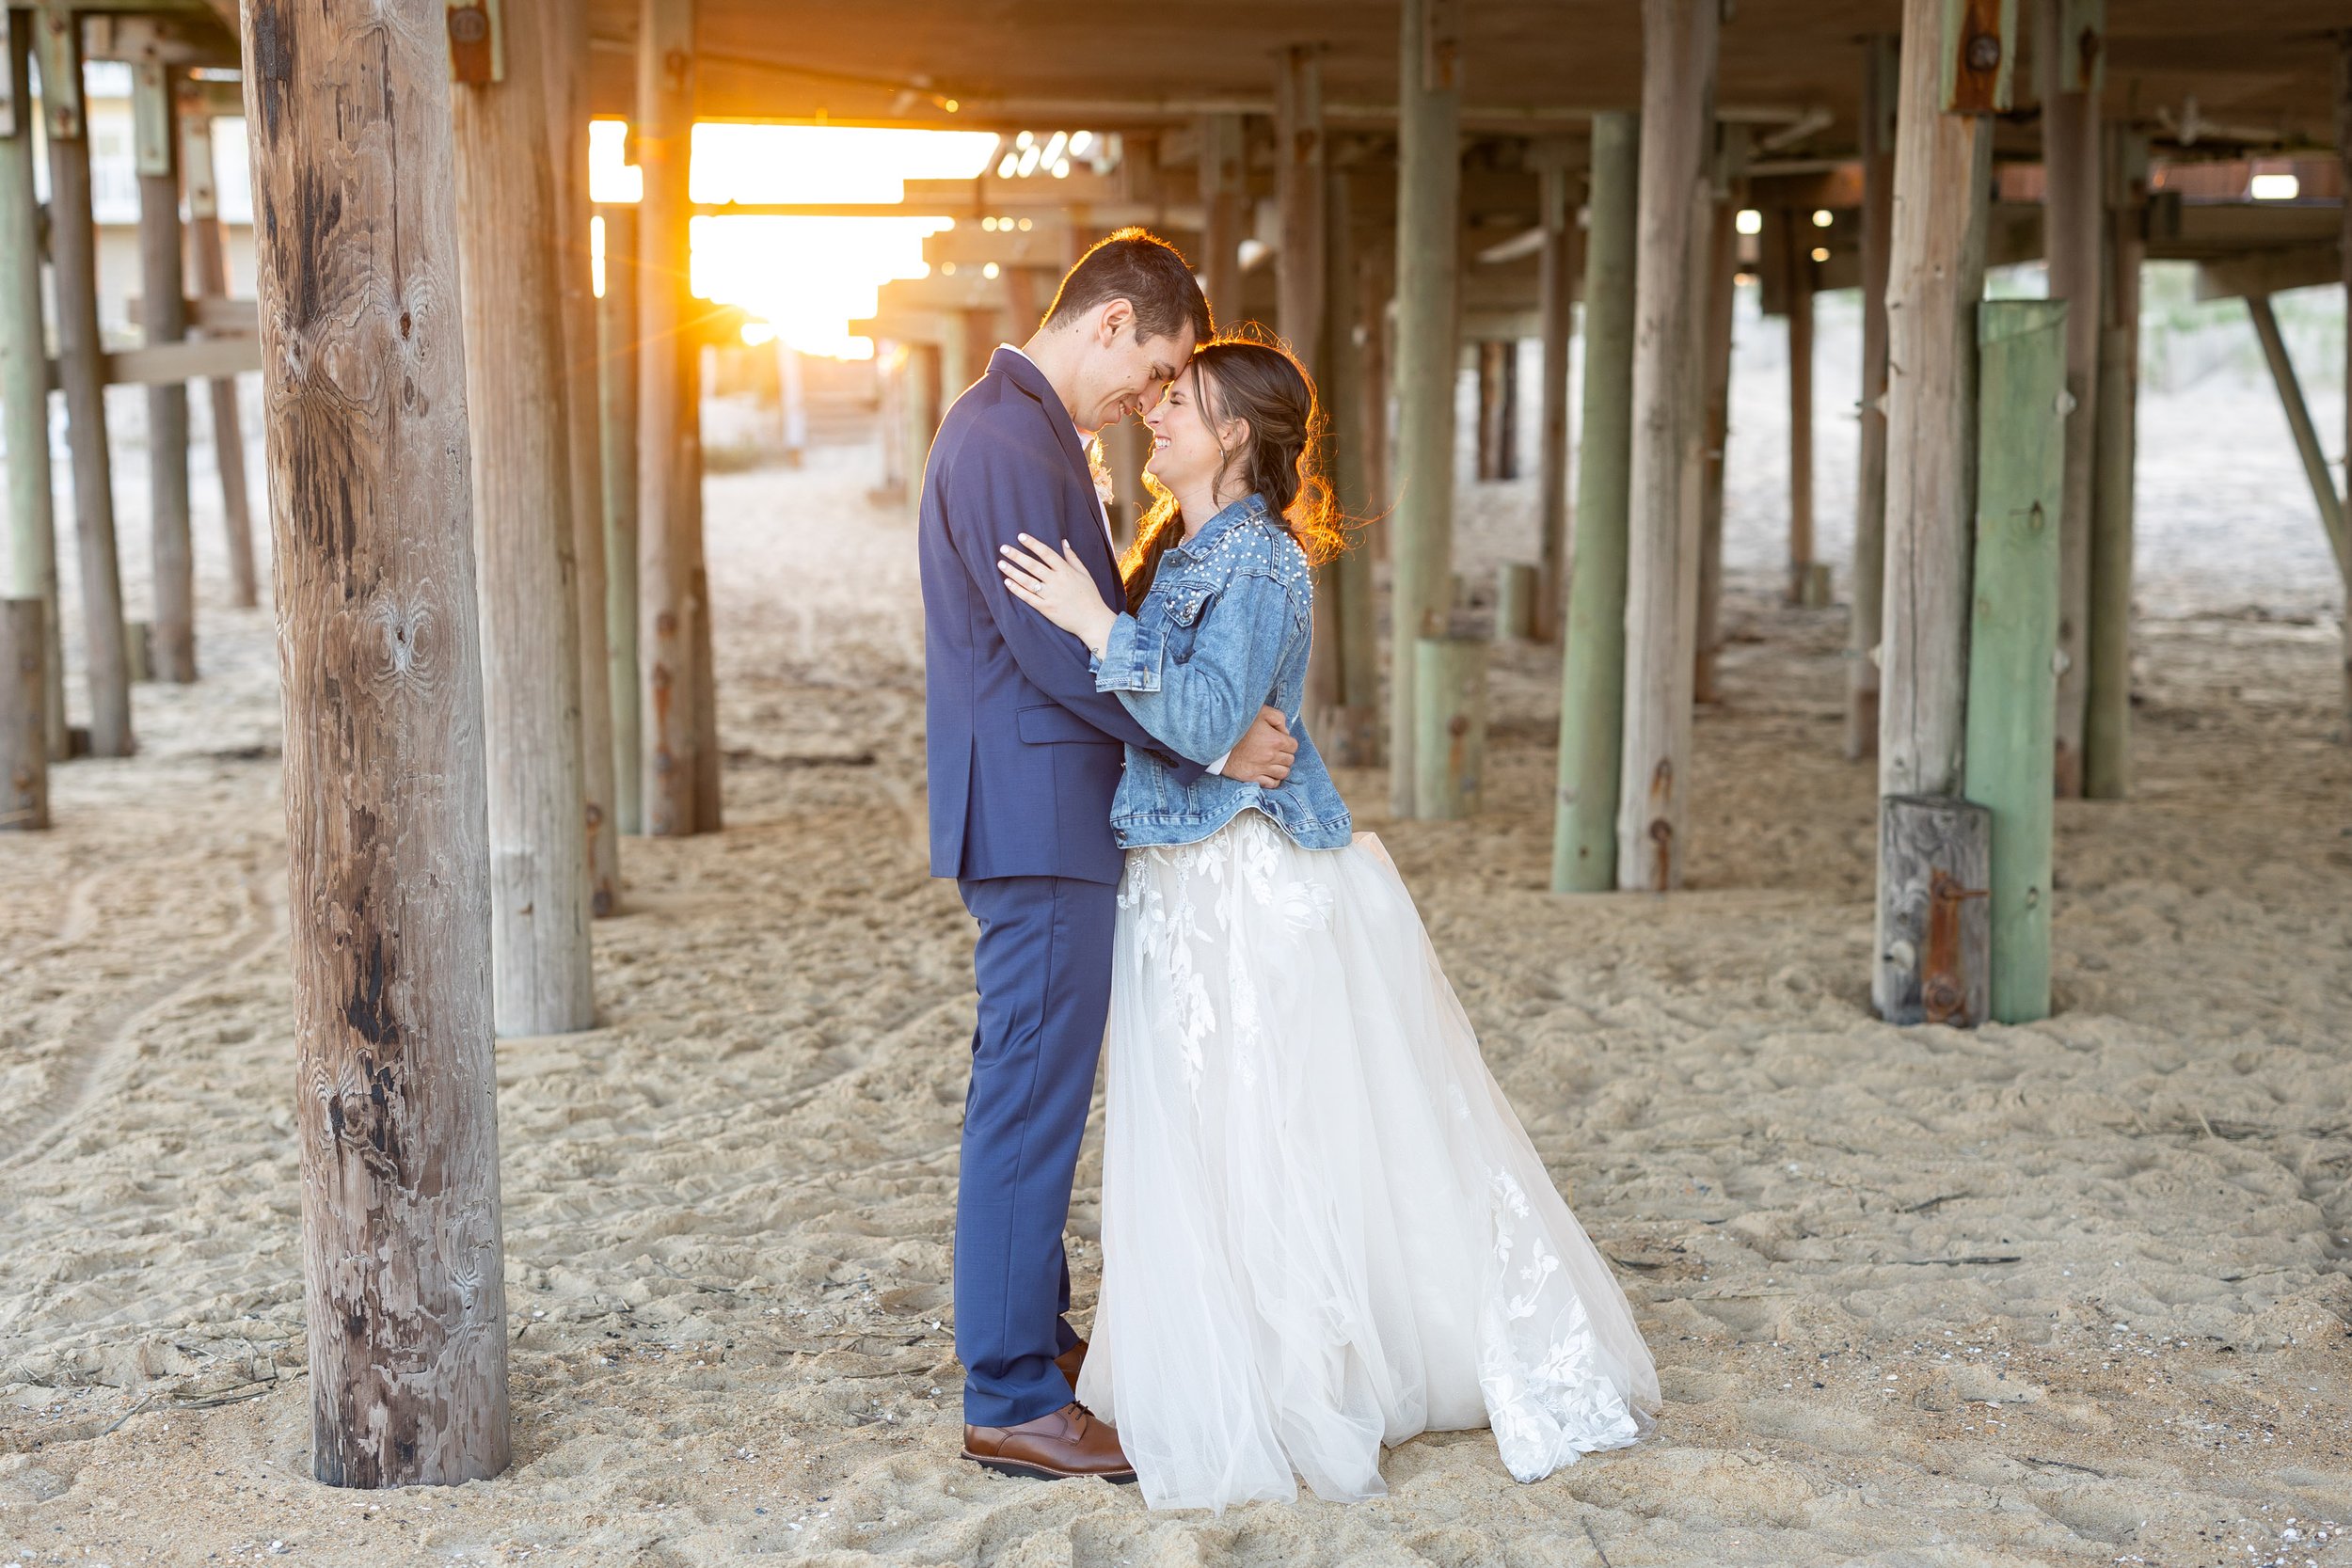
[[1023, 757]]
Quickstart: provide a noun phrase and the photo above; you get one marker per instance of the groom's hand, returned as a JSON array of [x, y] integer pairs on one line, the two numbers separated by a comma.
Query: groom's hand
[[1264, 756]]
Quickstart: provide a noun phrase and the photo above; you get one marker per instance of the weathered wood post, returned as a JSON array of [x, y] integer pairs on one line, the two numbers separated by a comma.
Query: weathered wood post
[[164, 318], [1592, 685], [2012, 631], [1355, 399], [1880, 60], [2344, 247], [923, 406], [1302, 167], [1225, 208], [2324, 496], [1450, 754], [567, 37], [1555, 293], [1517, 583], [1429, 184], [209, 267], [81, 369], [1678, 41], [1719, 243], [24, 725], [2069, 61], [616, 381], [1955, 70], [523, 537], [386, 783], [669, 472], [1935, 948], [2108, 723], [1497, 408], [1803, 578], [31, 560]]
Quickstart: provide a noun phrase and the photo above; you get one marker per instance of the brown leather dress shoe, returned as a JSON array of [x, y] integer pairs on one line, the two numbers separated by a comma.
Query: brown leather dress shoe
[[1070, 1361], [1069, 1442]]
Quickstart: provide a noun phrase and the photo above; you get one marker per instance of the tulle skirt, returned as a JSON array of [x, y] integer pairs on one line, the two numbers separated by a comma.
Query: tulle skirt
[[1323, 1229]]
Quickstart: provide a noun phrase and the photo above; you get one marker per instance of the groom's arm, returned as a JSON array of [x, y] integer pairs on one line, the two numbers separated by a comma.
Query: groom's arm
[[997, 487]]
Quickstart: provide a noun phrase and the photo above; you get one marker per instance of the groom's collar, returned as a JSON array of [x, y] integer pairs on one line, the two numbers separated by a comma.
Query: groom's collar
[[1023, 372]]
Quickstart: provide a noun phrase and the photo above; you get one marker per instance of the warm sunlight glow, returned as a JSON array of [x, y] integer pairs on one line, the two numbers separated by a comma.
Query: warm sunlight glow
[[805, 278]]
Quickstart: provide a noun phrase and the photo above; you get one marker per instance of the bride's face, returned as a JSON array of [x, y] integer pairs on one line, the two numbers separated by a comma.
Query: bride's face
[[1185, 455]]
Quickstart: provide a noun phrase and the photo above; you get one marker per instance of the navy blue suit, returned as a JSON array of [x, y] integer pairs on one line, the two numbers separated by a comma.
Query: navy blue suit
[[1023, 757]]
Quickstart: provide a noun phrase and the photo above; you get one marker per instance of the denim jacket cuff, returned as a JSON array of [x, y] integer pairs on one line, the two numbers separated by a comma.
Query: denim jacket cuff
[[1131, 657]]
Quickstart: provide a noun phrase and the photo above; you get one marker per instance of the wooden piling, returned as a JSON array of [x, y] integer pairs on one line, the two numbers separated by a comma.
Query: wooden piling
[[2075, 204], [2107, 720], [2023, 348], [1880, 62], [163, 319], [1720, 245], [922, 404], [567, 39], [1355, 401], [668, 452], [1429, 184], [1934, 963], [507, 243], [73, 279], [2344, 250], [1302, 166], [616, 380], [1449, 706], [31, 560], [1224, 207], [1592, 685], [208, 266], [1497, 410], [24, 722], [384, 779], [1951, 78], [1516, 585], [1679, 46], [1555, 293], [1801, 576]]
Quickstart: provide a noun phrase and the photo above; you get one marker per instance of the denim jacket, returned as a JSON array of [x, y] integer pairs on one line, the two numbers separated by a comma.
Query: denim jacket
[[1223, 632]]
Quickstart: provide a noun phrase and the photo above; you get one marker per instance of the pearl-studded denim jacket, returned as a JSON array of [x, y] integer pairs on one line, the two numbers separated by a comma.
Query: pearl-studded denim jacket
[[1224, 630]]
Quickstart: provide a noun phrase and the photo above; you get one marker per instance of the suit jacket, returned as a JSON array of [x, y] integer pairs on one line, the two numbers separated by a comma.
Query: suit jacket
[[1022, 754]]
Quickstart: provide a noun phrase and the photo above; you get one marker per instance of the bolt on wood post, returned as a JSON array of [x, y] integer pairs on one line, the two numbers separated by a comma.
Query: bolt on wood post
[[81, 369], [386, 785], [209, 268], [1428, 361], [616, 402], [2074, 202], [567, 37], [164, 318], [668, 451], [29, 568], [1555, 289], [1879, 82], [1721, 247], [1224, 176], [1450, 755], [1592, 684], [23, 723], [2013, 632], [1671, 289], [507, 244], [2108, 723]]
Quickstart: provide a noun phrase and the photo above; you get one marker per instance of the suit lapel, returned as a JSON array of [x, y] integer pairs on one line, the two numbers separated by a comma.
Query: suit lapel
[[1088, 537]]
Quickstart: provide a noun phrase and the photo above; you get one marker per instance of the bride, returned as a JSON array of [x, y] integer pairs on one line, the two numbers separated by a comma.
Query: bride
[[1323, 1229]]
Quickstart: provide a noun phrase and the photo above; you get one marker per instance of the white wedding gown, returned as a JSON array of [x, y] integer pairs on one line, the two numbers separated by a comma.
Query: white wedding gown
[[1323, 1227]]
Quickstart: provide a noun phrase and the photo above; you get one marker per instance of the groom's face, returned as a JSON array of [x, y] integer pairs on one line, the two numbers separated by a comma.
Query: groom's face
[[1123, 374]]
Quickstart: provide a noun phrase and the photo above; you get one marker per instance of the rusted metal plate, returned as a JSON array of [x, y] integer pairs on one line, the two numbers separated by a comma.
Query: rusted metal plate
[[1980, 55]]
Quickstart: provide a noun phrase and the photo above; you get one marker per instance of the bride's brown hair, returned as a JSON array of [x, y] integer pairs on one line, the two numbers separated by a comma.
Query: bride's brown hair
[[1282, 458]]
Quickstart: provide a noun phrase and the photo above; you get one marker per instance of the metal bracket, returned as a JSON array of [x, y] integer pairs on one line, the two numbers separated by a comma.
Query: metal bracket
[[150, 118], [477, 42], [57, 48]]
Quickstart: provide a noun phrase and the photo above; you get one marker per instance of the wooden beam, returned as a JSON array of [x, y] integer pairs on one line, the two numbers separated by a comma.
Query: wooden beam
[[1428, 360], [1880, 78], [210, 311], [567, 41], [2013, 635], [186, 359], [73, 279], [2270, 272], [28, 570], [617, 374], [1935, 275], [172, 656], [669, 448], [203, 312], [1592, 685], [540, 958], [2107, 718], [386, 789], [2075, 199], [1669, 297], [184, 39], [2324, 496]]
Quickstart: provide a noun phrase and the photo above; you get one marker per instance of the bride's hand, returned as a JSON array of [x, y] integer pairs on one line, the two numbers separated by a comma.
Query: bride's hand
[[1060, 589]]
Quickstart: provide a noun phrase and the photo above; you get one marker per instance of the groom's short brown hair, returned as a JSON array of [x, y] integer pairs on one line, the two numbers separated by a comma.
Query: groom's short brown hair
[[1145, 271]]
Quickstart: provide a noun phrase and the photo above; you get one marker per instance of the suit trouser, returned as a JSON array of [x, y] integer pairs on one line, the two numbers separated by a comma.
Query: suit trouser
[[1043, 967]]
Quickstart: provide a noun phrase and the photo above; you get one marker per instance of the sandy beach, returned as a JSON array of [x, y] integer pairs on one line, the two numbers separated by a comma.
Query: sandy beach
[[2072, 1294]]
